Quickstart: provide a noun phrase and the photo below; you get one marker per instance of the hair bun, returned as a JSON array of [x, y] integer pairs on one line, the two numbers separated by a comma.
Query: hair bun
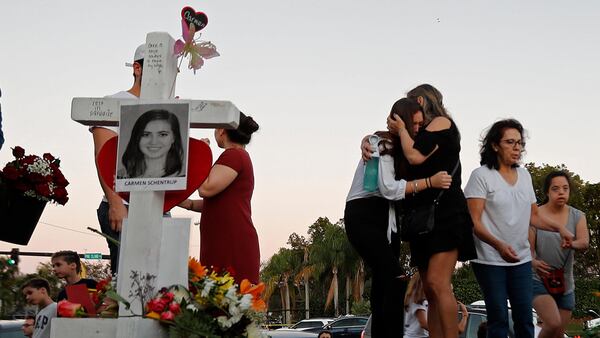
[[247, 125]]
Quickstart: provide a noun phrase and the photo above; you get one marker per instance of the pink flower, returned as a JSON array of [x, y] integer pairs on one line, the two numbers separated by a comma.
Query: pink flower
[[157, 305]]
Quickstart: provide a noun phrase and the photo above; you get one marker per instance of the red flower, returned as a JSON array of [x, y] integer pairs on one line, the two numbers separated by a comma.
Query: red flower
[[175, 308], [167, 315], [70, 310], [48, 157], [20, 186], [18, 152], [157, 305], [43, 189], [169, 296], [36, 178], [10, 173], [29, 159]]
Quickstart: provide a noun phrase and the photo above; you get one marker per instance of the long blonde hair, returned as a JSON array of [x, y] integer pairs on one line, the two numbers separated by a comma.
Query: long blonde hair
[[433, 105], [414, 291]]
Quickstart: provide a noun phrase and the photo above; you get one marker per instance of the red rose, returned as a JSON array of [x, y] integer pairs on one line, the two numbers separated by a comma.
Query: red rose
[[36, 178], [167, 315], [18, 152], [60, 179], [10, 173], [29, 159], [156, 305], [70, 310], [21, 186], [43, 189], [169, 296], [175, 308], [62, 201], [48, 157]]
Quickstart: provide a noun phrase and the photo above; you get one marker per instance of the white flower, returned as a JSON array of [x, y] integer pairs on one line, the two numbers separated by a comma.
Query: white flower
[[252, 331], [208, 285], [246, 302]]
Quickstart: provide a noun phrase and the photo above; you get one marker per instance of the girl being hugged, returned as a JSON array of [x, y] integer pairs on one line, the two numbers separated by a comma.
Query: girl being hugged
[[370, 221], [555, 308], [502, 204], [228, 239], [436, 148]]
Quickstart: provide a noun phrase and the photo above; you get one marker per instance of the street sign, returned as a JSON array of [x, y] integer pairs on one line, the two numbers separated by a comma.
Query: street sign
[[92, 256]]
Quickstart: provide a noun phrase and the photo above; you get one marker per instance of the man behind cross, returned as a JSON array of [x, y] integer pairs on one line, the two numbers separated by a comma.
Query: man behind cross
[[113, 209]]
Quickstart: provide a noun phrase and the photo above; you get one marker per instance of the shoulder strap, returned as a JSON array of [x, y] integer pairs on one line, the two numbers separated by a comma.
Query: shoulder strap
[[451, 174]]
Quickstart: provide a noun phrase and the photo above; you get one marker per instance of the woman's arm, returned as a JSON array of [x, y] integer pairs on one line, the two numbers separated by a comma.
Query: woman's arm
[[539, 266], [414, 156], [219, 178], [506, 251], [462, 325], [366, 148], [541, 221], [422, 318], [582, 235], [392, 189], [193, 205]]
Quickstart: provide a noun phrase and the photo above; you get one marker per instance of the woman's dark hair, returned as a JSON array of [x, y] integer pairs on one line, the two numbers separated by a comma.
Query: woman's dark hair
[[489, 157], [244, 131], [548, 182], [405, 108], [133, 158]]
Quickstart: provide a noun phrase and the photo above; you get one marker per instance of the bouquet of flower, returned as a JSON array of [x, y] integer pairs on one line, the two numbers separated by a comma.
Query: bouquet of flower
[[212, 306], [36, 177]]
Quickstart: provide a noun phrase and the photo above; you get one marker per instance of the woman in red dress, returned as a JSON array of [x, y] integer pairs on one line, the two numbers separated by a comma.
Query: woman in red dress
[[228, 239]]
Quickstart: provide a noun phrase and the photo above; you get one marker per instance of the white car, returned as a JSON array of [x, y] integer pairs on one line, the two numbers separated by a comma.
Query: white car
[[311, 323]]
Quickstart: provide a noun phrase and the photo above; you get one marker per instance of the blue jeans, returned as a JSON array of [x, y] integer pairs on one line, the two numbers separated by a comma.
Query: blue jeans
[[107, 230], [499, 283]]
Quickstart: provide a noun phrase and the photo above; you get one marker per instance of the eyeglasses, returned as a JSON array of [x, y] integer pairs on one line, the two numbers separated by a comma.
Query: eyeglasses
[[513, 143]]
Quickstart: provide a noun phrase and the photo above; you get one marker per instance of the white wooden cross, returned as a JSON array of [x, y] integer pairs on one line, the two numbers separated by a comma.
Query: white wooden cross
[[151, 244]]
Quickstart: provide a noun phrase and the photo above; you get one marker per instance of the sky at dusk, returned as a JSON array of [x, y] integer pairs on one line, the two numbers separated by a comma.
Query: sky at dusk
[[316, 75]]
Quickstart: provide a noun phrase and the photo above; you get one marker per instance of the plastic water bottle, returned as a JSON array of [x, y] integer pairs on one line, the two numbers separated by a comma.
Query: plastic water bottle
[[372, 169]]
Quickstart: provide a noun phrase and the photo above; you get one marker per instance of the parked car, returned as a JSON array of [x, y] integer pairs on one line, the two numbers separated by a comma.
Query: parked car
[[11, 328], [344, 327], [592, 323], [289, 333], [310, 323]]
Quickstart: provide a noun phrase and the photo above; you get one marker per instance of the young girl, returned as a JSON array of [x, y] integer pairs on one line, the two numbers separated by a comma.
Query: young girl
[[555, 310], [370, 222], [415, 309], [228, 239], [155, 147]]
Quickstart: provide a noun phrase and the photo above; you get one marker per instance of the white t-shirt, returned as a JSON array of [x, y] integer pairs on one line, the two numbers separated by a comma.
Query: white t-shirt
[[412, 328], [42, 321], [506, 214], [120, 95]]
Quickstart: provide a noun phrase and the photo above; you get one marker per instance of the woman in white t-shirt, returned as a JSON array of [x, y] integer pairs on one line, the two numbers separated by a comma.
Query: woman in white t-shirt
[[415, 309], [502, 205]]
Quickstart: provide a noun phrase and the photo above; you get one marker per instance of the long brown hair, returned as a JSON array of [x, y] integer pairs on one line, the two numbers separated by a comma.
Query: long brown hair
[[414, 291], [433, 105], [405, 108]]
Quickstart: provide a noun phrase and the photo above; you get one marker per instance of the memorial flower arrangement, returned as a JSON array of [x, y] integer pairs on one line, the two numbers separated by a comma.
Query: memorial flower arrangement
[[36, 177], [213, 305]]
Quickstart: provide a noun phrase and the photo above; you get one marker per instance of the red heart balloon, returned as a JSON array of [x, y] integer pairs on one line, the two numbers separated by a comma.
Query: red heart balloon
[[199, 164], [199, 19]]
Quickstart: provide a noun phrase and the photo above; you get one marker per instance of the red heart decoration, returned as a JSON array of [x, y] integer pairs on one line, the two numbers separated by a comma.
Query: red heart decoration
[[199, 164], [199, 19]]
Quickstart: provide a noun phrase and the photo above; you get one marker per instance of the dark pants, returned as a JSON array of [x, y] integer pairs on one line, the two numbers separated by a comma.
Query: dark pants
[[107, 230], [499, 283], [366, 222]]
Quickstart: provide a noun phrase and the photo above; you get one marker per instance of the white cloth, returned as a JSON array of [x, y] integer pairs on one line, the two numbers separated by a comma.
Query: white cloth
[[42, 321], [387, 185], [412, 327], [506, 214], [120, 95]]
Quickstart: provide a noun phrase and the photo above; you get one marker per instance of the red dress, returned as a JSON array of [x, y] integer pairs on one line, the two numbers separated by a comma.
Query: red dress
[[228, 239]]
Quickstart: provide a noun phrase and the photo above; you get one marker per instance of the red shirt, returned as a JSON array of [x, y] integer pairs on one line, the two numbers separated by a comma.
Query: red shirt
[[228, 239]]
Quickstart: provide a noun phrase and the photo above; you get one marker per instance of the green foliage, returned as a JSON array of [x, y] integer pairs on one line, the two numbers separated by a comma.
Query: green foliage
[[585, 298], [362, 307], [466, 288]]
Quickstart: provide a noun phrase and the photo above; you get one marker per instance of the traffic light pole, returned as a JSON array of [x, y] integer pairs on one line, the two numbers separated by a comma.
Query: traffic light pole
[[41, 254]]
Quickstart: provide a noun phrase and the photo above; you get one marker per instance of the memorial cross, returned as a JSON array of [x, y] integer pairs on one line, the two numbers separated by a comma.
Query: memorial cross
[[154, 249]]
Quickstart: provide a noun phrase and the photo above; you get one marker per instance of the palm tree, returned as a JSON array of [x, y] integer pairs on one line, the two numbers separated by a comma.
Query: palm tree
[[277, 273]]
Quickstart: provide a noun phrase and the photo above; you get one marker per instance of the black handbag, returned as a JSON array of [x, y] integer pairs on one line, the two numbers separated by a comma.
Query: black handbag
[[421, 220]]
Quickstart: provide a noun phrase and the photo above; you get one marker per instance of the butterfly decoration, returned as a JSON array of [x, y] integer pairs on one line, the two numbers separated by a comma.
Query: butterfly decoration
[[196, 49]]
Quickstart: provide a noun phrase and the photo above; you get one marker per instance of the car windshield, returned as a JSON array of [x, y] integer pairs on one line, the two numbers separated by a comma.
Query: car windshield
[[307, 324], [350, 322]]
